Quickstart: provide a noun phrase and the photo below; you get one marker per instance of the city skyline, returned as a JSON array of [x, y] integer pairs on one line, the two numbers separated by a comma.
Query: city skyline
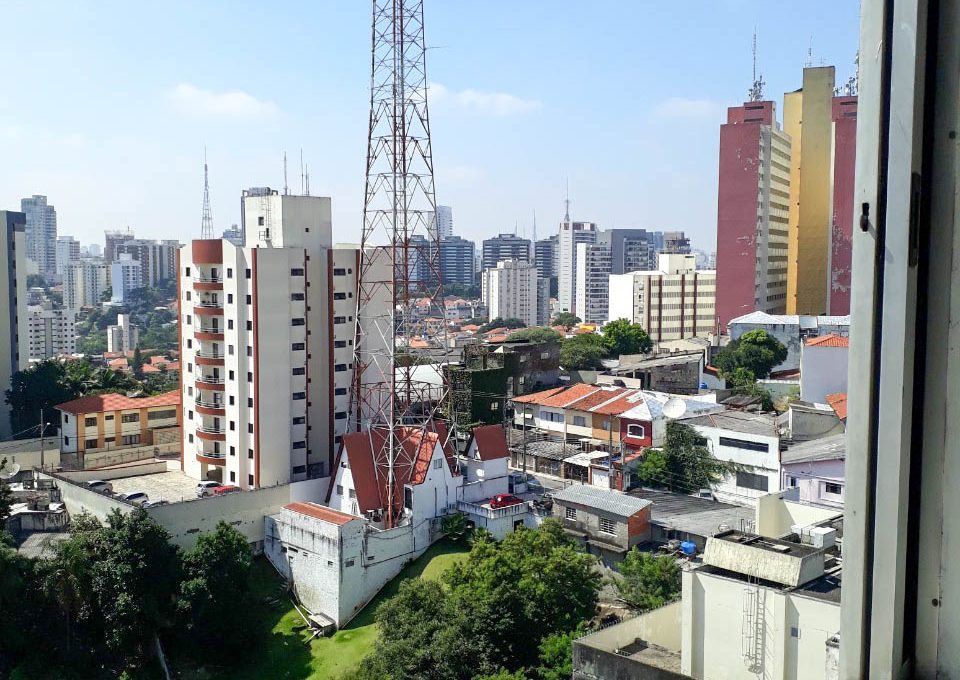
[[129, 151]]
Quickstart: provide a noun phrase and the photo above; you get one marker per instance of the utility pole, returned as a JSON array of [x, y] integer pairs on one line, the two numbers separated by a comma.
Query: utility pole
[[42, 428], [524, 413]]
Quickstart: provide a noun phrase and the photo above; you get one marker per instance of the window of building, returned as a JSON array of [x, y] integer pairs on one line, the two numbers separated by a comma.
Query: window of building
[[351, 493], [229, 298], [339, 391], [229, 324], [744, 444], [247, 273], [230, 350], [299, 445], [340, 415], [299, 469], [340, 367], [249, 428], [249, 299], [749, 480], [162, 415], [250, 454], [232, 425], [296, 271], [634, 430], [791, 482], [190, 438], [90, 422], [338, 271], [187, 271], [298, 321], [108, 417], [339, 343], [250, 402], [231, 375], [188, 295], [339, 489], [296, 296], [579, 421], [128, 439], [570, 513], [249, 325], [66, 441], [130, 418], [607, 526], [233, 476], [299, 370], [298, 346], [90, 444], [339, 296], [299, 396], [339, 319], [250, 480], [299, 420], [438, 464], [233, 450], [830, 488], [231, 399], [348, 563]]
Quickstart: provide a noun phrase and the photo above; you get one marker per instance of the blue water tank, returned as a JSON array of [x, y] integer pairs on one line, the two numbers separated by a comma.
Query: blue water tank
[[688, 548]]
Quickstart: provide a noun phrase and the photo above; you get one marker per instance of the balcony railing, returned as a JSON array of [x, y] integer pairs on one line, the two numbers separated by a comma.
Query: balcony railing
[[209, 429], [209, 329], [210, 379], [208, 305], [208, 279], [212, 454], [492, 513], [210, 355], [210, 404]]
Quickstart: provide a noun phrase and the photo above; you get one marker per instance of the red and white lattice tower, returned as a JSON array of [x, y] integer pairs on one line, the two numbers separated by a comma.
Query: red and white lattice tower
[[400, 291]]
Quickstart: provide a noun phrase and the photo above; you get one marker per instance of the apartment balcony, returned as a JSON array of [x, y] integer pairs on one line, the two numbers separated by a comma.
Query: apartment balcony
[[211, 434], [208, 308], [208, 333], [212, 458], [208, 283], [208, 358], [208, 407], [209, 382]]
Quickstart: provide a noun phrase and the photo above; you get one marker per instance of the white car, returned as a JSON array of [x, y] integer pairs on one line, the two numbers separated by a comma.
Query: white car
[[100, 485], [138, 497], [206, 488]]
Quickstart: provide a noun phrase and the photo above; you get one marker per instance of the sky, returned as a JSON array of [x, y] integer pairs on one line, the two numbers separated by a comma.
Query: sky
[[106, 107]]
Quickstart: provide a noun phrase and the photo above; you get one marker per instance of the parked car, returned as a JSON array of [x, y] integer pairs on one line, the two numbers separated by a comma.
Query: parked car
[[503, 500], [100, 485], [138, 497], [206, 488], [226, 488], [153, 504]]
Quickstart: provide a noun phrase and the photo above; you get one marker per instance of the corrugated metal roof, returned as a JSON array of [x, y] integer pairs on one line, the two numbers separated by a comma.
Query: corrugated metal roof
[[737, 421], [601, 499], [833, 447]]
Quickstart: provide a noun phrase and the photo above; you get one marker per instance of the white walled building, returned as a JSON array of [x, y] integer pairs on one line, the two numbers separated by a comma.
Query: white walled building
[[444, 219], [510, 291], [571, 234], [593, 282], [67, 251], [823, 367], [672, 303], [126, 274], [84, 283], [41, 234], [50, 332], [266, 345], [122, 336], [13, 291], [158, 259]]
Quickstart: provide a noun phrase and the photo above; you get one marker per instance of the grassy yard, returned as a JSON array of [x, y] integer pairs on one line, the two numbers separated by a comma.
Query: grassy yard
[[284, 651]]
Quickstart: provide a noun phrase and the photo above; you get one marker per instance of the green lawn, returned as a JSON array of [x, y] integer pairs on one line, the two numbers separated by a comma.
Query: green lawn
[[285, 652]]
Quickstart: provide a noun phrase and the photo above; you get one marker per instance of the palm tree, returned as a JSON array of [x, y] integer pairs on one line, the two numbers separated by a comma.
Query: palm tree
[[67, 581]]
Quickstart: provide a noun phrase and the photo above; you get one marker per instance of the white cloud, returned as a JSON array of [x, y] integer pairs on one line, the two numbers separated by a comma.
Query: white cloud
[[683, 107], [488, 103], [193, 99]]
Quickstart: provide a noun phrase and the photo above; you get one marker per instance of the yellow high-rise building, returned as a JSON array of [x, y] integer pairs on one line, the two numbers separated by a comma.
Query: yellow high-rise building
[[807, 118]]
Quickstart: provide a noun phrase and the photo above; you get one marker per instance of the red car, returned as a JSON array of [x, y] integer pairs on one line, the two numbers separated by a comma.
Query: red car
[[220, 490], [503, 500]]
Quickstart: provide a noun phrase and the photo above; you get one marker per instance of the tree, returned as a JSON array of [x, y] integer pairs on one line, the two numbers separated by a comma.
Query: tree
[[556, 655], [216, 589], [6, 496], [756, 351], [583, 352], [136, 363], [40, 387], [652, 470], [689, 464], [565, 319], [623, 337], [648, 581], [534, 335], [501, 323], [455, 526]]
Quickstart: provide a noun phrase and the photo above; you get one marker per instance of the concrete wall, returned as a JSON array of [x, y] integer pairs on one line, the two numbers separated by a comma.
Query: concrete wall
[[778, 512], [756, 462], [134, 453], [595, 655], [26, 453], [812, 477], [823, 371]]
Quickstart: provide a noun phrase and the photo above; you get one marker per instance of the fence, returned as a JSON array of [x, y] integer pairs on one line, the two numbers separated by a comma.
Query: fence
[[106, 457]]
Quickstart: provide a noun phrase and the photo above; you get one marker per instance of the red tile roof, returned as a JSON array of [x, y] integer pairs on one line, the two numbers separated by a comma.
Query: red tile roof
[[370, 476], [788, 374], [557, 396], [491, 442], [321, 512], [470, 327], [496, 339], [838, 402], [831, 340], [623, 403], [96, 403], [596, 398]]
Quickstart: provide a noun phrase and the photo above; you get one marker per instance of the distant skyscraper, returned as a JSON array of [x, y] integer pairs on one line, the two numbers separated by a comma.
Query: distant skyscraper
[[752, 213], [630, 249], [808, 120], [505, 247], [157, 258], [123, 336], [546, 252], [593, 282], [234, 234], [510, 291], [841, 236], [67, 251], [50, 332], [571, 233], [456, 259], [84, 283], [444, 221], [111, 239], [13, 292], [41, 233], [675, 243], [126, 274]]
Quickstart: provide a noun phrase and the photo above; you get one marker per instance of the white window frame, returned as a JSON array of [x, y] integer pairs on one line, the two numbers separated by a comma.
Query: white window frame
[[632, 429], [610, 524]]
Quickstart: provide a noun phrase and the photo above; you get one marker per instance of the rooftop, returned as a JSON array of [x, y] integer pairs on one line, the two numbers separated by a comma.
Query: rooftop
[[744, 422], [830, 340], [833, 447], [838, 402], [639, 362], [791, 320], [97, 403], [589, 496], [41, 545], [320, 512], [692, 515], [491, 442], [786, 563]]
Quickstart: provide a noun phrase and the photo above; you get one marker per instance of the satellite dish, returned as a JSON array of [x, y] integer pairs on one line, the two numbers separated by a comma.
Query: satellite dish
[[10, 472], [675, 408]]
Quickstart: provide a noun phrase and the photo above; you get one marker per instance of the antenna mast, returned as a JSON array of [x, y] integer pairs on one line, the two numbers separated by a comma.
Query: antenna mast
[[286, 189], [391, 401], [566, 203], [206, 222], [756, 87], [306, 190]]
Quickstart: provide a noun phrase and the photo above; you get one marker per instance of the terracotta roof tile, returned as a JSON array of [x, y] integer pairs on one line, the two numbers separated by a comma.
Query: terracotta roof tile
[[621, 404], [831, 340], [596, 398], [491, 442], [321, 512], [97, 403], [558, 396], [838, 402]]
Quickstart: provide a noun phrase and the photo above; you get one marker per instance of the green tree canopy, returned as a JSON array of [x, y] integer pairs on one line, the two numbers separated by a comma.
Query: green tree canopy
[[685, 464], [623, 337], [565, 319], [501, 323], [136, 363], [534, 335], [648, 581], [755, 351], [40, 387], [583, 352]]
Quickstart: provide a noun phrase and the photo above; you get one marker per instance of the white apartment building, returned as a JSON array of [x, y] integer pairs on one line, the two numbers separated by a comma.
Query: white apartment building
[[510, 291], [68, 250], [158, 259], [41, 233], [126, 274], [84, 283], [13, 292], [266, 345], [571, 233], [672, 303], [592, 282], [444, 217], [123, 336], [50, 332]]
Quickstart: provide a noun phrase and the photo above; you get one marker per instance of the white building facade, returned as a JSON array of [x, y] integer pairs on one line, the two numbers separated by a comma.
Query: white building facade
[[122, 336], [84, 283], [50, 333], [126, 274], [571, 234], [823, 367], [67, 251], [510, 291], [158, 259], [41, 234], [593, 282]]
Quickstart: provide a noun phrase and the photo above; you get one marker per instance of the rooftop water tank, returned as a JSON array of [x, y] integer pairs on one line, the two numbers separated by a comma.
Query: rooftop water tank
[[688, 548]]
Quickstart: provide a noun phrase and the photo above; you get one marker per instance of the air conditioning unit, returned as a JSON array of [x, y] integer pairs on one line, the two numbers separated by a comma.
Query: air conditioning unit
[[823, 537]]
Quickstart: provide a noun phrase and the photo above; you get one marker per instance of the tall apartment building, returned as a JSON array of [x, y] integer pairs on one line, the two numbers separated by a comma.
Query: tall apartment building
[[510, 291], [41, 233], [841, 231], [84, 283], [675, 242], [67, 251], [126, 274], [267, 345], [631, 249], [112, 238], [593, 281], [571, 233], [158, 259], [546, 256], [671, 303], [444, 218], [50, 332], [753, 206], [504, 247], [808, 120], [13, 291], [456, 259], [123, 336]]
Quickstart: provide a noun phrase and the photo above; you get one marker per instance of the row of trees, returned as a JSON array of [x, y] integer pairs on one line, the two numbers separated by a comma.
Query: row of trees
[[588, 350], [96, 608]]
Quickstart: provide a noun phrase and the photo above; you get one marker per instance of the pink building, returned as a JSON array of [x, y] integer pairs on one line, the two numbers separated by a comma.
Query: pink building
[[841, 231]]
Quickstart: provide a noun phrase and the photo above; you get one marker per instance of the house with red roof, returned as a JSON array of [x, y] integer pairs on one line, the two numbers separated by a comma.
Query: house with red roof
[[823, 367], [486, 469]]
